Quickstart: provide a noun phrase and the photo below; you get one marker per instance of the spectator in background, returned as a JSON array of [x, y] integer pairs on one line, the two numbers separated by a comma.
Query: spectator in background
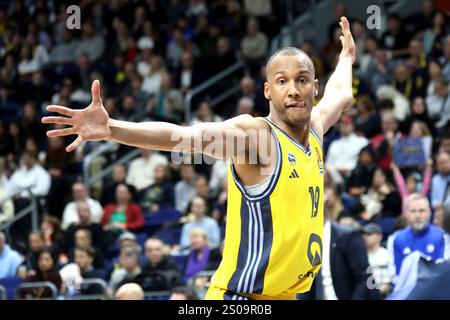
[[438, 103], [152, 81], [71, 214], [395, 38], [254, 45], [161, 272], [204, 113], [46, 271], [129, 268], [168, 104], [367, 121], [51, 229], [118, 176], [225, 56], [141, 171], [378, 256], [383, 143], [10, 259], [31, 175], [219, 174], [248, 89], [84, 223], [440, 184], [445, 59], [7, 208], [420, 235], [343, 274], [333, 204], [434, 36], [189, 74], [197, 218], [159, 195], [122, 215], [82, 238], [84, 258], [175, 48], [245, 106], [183, 293], [185, 188], [203, 190], [91, 43], [342, 155], [419, 112], [130, 291], [198, 257], [415, 183], [382, 199], [36, 244]]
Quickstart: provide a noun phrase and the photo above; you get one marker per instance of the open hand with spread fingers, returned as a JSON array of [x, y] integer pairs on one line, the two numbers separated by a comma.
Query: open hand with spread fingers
[[90, 123], [348, 44]]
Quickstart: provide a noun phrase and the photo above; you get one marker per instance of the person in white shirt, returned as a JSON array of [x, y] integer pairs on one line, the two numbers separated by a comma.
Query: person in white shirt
[[343, 153], [185, 188], [70, 214], [378, 256], [141, 171], [438, 102], [29, 175]]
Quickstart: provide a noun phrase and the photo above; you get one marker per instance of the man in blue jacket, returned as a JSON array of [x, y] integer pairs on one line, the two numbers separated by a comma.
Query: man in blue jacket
[[420, 235]]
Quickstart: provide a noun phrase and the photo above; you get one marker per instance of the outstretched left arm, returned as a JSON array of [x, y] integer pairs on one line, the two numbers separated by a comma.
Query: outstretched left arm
[[338, 95]]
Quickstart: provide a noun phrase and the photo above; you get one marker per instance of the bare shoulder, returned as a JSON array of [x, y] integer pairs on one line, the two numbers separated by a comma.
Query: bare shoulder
[[246, 122], [317, 123]]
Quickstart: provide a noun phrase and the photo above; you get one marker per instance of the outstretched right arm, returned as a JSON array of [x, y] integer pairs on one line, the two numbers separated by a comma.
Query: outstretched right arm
[[93, 124]]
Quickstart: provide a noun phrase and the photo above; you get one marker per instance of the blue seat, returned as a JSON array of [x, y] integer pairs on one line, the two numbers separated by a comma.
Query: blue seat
[[11, 284], [170, 236], [181, 260], [112, 251], [387, 225], [141, 237], [162, 216]]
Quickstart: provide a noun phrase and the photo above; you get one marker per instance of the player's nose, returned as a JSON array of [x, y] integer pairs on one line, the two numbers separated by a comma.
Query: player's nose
[[293, 90]]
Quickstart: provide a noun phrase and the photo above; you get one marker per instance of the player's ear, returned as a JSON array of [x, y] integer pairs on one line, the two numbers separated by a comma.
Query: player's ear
[[267, 91], [316, 88]]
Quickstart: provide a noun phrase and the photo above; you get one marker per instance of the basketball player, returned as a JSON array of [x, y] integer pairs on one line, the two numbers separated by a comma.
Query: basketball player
[[273, 242]]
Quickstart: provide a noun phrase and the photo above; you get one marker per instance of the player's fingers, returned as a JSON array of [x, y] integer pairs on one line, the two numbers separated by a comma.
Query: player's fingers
[[74, 144], [59, 120], [61, 132], [60, 109], [95, 90]]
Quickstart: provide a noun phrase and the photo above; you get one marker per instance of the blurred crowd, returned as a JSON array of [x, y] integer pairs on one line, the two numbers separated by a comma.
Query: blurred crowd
[[161, 225]]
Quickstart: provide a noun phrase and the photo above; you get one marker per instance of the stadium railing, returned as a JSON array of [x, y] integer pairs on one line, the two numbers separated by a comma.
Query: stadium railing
[[36, 285]]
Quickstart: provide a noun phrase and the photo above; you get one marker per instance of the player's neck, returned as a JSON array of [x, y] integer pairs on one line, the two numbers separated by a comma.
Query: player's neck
[[300, 133]]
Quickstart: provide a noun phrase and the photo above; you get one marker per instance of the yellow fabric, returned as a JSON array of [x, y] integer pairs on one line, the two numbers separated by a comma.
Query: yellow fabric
[[275, 263]]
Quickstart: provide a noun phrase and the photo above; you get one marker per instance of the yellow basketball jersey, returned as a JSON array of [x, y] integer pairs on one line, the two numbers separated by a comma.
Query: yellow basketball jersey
[[273, 242]]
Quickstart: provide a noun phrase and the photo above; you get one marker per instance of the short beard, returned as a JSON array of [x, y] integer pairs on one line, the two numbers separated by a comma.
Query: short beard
[[419, 226]]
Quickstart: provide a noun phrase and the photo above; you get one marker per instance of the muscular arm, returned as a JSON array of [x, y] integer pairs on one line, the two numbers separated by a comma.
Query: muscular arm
[[338, 93], [230, 138]]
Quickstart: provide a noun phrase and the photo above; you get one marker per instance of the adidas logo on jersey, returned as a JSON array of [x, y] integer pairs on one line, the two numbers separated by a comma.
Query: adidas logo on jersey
[[294, 174]]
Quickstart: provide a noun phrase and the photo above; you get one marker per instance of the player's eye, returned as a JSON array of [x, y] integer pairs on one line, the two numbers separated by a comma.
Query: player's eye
[[281, 81], [302, 80]]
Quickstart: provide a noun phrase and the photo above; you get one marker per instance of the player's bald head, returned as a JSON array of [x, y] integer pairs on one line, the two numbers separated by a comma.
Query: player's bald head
[[288, 51]]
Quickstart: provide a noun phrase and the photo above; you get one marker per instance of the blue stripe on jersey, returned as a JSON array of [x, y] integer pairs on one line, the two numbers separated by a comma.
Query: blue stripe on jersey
[[254, 249], [264, 207], [302, 148], [274, 178], [228, 295], [314, 133]]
